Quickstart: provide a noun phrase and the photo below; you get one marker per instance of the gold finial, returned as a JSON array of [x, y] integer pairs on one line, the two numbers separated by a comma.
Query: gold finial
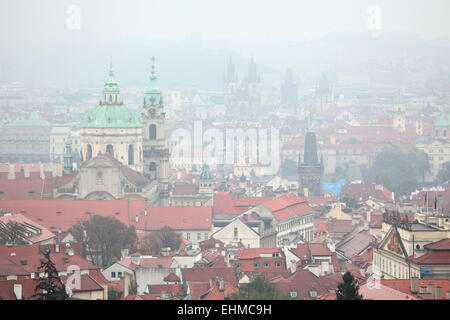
[[110, 65]]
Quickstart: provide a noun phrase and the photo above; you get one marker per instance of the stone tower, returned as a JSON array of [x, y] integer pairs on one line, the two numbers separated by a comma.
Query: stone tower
[[230, 85], [324, 95], [310, 170], [289, 92], [156, 154]]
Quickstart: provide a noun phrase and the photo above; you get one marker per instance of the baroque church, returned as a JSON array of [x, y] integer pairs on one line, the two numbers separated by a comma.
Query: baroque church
[[127, 150]]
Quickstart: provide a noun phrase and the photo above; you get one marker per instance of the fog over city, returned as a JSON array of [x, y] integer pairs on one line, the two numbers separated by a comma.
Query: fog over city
[[195, 150]]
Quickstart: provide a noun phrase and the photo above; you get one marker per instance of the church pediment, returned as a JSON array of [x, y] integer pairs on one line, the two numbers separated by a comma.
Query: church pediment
[[101, 161], [392, 242]]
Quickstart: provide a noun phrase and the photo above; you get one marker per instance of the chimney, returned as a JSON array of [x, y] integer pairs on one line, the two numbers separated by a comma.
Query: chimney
[[18, 291], [221, 285], [438, 292], [430, 288], [126, 284], [136, 259], [12, 172], [123, 253], [41, 171], [293, 266], [414, 285], [26, 170]]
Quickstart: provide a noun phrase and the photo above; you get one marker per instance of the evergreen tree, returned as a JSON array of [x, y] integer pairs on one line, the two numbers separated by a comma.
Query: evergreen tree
[[50, 287], [348, 289]]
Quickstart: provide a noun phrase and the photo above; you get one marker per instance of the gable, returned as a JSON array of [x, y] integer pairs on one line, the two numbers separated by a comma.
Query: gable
[[236, 223], [99, 161], [393, 243]]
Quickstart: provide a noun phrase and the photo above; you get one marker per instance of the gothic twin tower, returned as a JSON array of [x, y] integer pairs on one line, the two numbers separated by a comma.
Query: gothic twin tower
[[138, 142]]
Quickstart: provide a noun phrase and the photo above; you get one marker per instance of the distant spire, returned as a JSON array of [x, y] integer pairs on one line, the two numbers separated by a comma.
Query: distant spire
[[110, 65], [153, 76]]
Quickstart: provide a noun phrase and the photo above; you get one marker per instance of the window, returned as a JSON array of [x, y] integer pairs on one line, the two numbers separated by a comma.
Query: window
[[266, 265], [188, 236], [293, 294], [199, 236], [152, 132], [313, 294], [256, 264], [278, 264], [206, 235], [235, 233], [113, 274], [119, 274], [131, 154], [110, 149]]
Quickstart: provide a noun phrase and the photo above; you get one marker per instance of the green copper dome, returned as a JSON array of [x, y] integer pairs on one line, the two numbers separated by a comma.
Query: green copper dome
[[443, 120], [111, 112], [111, 116], [32, 121]]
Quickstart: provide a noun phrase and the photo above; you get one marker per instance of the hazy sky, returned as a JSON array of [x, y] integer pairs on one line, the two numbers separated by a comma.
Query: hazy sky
[[296, 20]]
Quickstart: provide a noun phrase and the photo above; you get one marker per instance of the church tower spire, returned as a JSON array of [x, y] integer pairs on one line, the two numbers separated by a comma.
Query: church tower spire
[[155, 152], [111, 92]]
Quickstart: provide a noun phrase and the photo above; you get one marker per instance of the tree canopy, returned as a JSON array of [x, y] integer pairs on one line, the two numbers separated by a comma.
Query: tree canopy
[[443, 174], [166, 237], [400, 171], [348, 289], [289, 168], [104, 238], [259, 288]]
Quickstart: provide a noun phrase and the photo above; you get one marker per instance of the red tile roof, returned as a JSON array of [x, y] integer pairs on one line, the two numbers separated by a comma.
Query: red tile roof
[[205, 274], [179, 218], [175, 289], [40, 235], [216, 294], [441, 245], [66, 213], [404, 285], [252, 253], [171, 277], [432, 258]]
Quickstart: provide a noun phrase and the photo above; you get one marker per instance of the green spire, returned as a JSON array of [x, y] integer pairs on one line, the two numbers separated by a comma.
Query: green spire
[[152, 96], [111, 84], [206, 173]]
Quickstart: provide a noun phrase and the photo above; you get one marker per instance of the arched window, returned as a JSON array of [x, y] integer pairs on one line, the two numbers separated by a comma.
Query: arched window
[[99, 178], [152, 132], [110, 149], [110, 98], [131, 154], [152, 166], [89, 152]]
